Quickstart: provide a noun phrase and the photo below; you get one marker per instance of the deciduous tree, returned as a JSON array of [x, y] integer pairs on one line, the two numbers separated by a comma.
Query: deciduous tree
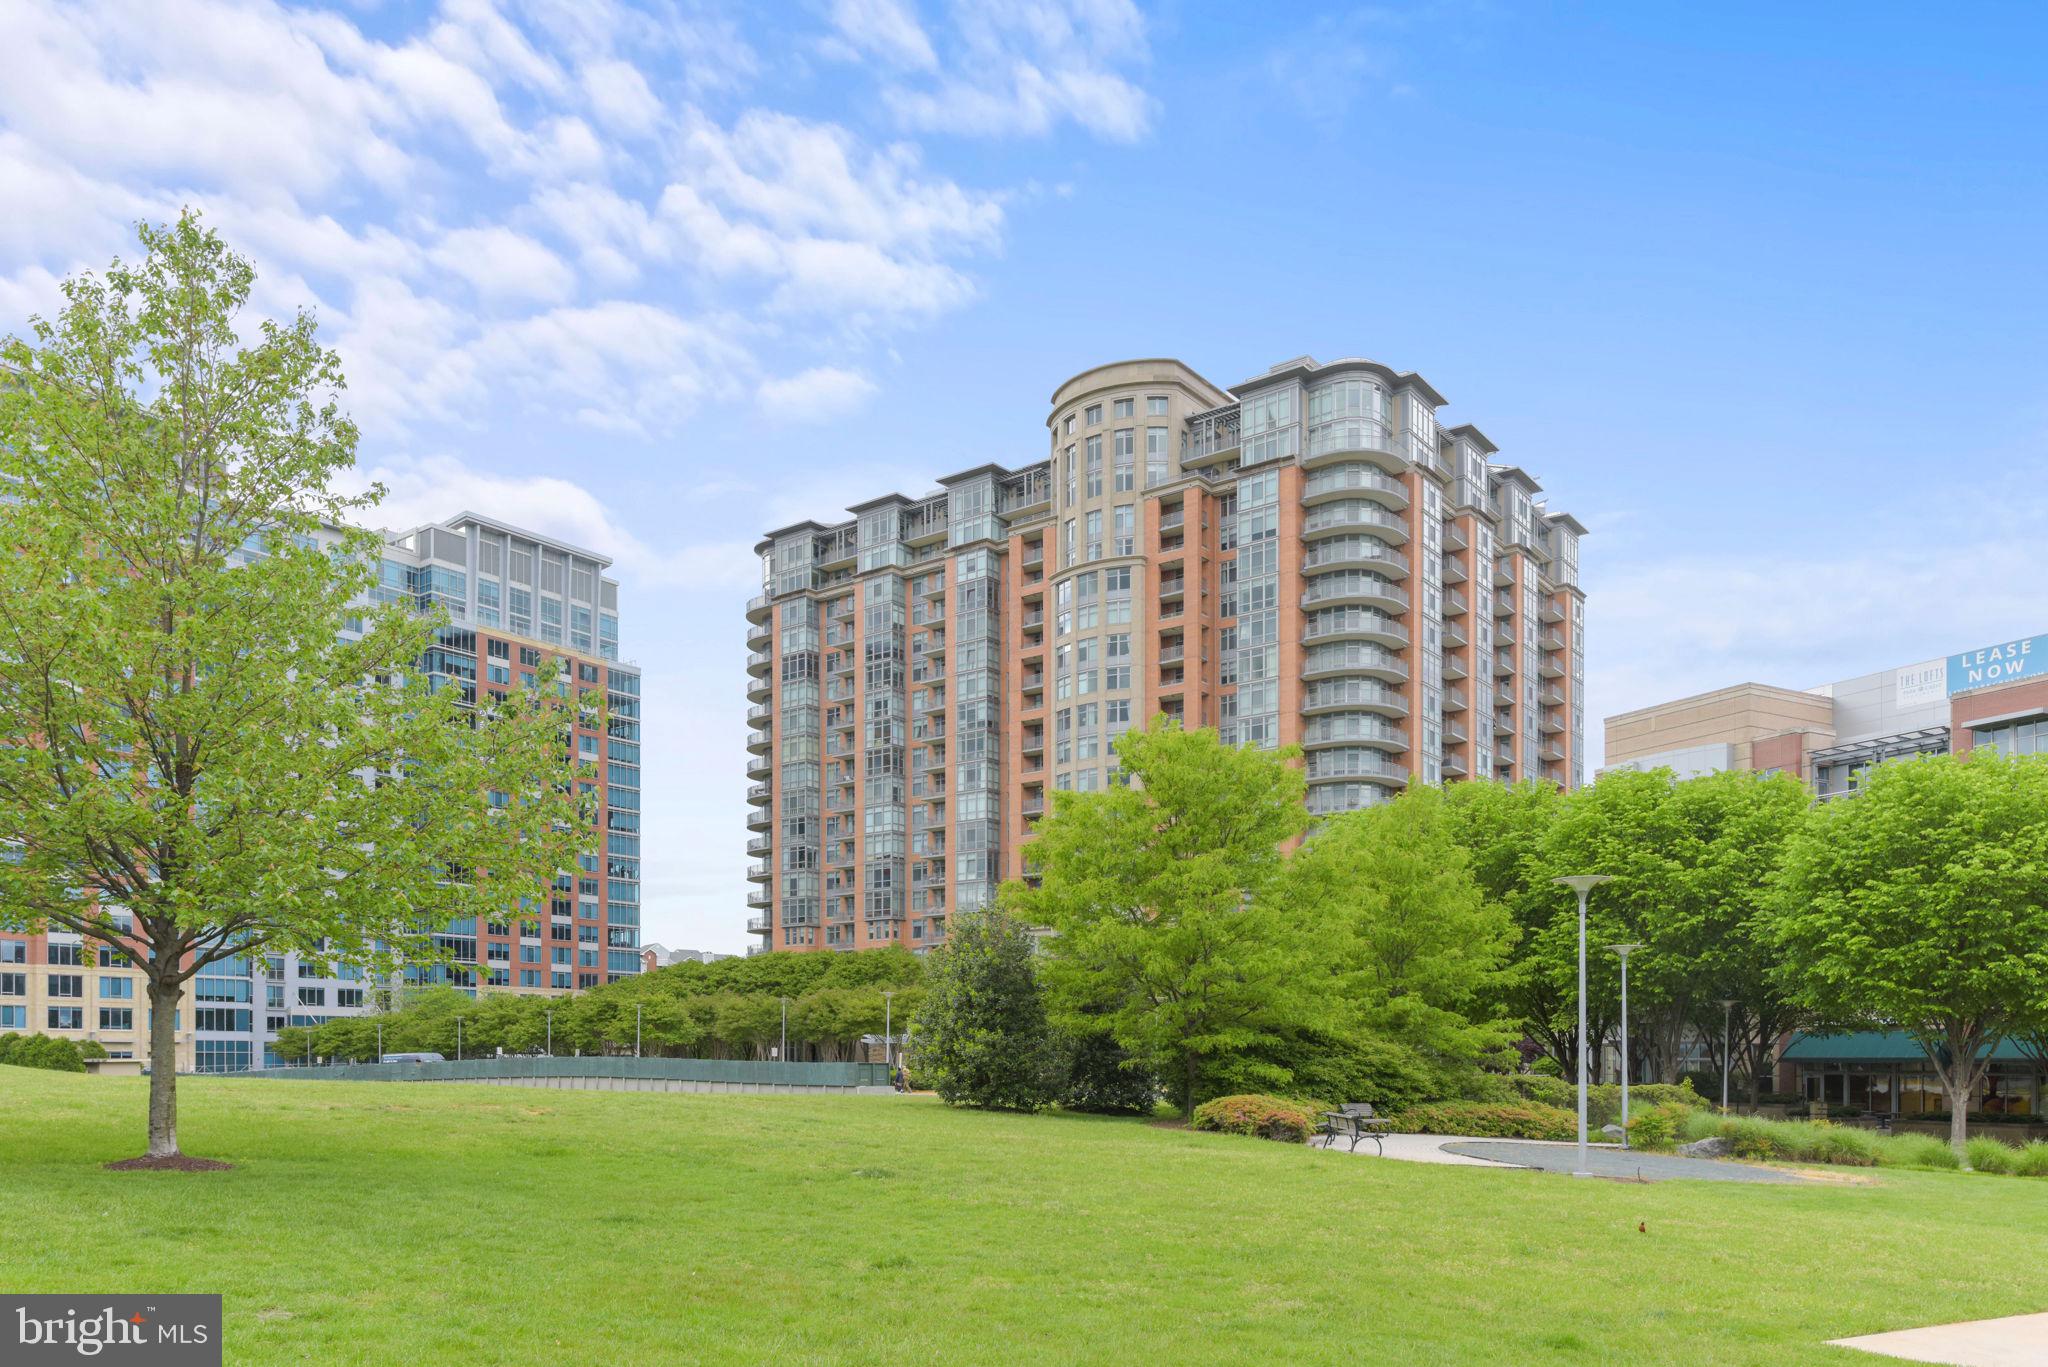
[[1922, 905], [199, 765], [1156, 892]]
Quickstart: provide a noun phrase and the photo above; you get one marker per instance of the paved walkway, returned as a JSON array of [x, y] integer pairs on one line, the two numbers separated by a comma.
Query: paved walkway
[[2015, 1341], [1417, 1148], [1602, 1160]]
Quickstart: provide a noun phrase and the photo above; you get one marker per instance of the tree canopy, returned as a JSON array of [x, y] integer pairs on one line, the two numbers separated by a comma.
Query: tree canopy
[[221, 747], [1922, 904]]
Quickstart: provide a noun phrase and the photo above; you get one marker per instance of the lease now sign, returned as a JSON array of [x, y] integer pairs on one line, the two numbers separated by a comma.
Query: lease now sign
[[2002, 663]]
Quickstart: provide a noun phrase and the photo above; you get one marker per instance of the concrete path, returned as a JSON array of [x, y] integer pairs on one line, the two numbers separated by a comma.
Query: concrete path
[[2015, 1341], [1416, 1148], [1605, 1160], [1602, 1160]]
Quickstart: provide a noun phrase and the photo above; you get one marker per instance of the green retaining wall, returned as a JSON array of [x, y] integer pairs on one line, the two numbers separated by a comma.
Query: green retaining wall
[[741, 1072]]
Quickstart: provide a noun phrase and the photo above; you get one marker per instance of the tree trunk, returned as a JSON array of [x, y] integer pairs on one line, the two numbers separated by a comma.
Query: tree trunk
[[163, 1069], [1959, 1114]]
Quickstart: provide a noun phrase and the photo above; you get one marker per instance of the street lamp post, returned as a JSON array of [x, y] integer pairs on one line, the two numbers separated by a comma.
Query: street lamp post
[[380, 1041], [888, 1026], [1727, 1053], [1582, 883], [782, 1054], [1624, 951], [550, 1014]]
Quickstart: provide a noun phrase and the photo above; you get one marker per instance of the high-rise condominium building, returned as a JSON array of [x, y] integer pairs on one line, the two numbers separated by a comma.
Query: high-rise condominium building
[[514, 600], [1308, 558]]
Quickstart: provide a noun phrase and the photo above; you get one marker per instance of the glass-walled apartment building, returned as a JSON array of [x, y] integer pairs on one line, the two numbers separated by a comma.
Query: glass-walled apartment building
[[1310, 558], [515, 600]]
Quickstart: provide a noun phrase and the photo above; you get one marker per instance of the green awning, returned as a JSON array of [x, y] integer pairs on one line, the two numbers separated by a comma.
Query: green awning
[[1877, 1046]]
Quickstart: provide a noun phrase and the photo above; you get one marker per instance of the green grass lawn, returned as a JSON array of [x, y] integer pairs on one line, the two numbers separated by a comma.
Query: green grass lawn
[[386, 1223]]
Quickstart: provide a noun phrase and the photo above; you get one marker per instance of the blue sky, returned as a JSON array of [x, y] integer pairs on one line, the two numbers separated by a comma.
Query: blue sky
[[1757, 292]]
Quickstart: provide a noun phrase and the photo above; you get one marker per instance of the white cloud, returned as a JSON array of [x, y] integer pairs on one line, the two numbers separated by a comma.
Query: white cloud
[[503, 264], [619, 96], [885, 29], [1023, 67], [504, 204], [815, 395]]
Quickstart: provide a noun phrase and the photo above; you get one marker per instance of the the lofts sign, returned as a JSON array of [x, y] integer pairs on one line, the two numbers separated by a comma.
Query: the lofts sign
[[2006, 662]]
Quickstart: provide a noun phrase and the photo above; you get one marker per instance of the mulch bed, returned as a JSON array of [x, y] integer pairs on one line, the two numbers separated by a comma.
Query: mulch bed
[[176, 1162]]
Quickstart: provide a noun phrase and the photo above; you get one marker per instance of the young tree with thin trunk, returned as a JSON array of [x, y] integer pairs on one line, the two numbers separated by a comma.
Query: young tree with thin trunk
[[1157, 894], [1921, 905], [198, 765]]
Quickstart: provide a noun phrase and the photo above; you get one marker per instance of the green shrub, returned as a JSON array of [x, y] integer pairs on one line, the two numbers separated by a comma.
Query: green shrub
[[1992, 1155], [45, 1051], [1915, 1151], [1489, 1120], [1545, 1091], [2032, 1161], [1260, 1117], [1656, 1127], [1104, 1079], [1333, 1067], [1698, 1125], [1843, 1146]]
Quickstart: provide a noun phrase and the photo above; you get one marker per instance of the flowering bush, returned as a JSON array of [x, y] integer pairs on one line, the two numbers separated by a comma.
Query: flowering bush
[[1261, 1117]]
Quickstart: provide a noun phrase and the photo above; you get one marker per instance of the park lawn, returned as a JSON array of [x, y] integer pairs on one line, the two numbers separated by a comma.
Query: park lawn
[[429, 1223]]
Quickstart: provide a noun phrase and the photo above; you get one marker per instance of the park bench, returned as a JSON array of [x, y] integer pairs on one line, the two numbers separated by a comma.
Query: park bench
[[1355, 1121]]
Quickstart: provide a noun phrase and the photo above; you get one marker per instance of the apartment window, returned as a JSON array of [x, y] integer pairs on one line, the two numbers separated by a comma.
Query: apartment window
[[1125, 408], [65, 956], [13, 1018], [1126, 540], [348, 996], [1155, 456], [1067, 540], [1070, 425], [67, 1018], [1155, 405], [122, 989], [1095, 534], [117, 1018], [67, 984], [1126, 478], [13, 951], [1117, 678], [1095, 466], [13, 984], [312, 996], [1094, 414]]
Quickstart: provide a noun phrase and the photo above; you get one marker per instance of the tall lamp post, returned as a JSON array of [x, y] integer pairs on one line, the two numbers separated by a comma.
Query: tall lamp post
[[458, 1039], [1582, 883], [1624, 951], [380, 1041], [888, 1023], [1727, 1053], [550, 1014]]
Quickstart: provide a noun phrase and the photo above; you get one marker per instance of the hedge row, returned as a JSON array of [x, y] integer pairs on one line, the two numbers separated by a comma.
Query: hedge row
[[47, 1051]]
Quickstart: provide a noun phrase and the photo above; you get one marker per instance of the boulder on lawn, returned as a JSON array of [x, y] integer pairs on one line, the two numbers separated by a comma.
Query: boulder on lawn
[[1614, 1132], [1714, 1146]]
